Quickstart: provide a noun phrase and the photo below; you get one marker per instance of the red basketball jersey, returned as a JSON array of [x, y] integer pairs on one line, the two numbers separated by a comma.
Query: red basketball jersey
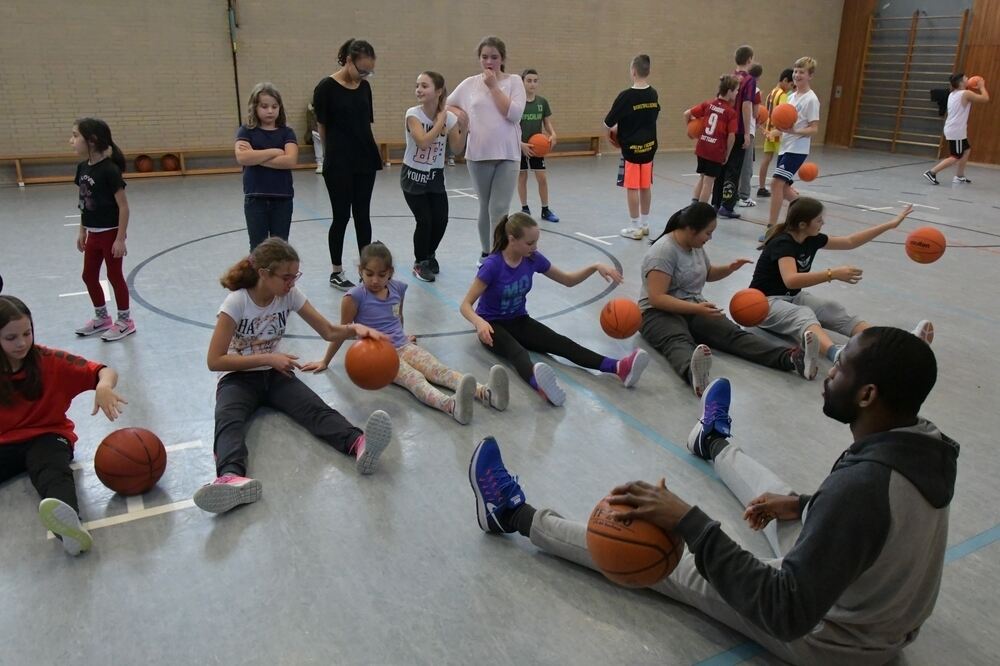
[[720, 122]]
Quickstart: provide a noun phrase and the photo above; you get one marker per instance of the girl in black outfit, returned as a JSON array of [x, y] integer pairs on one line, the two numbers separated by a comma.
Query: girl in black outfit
[[344, 114]]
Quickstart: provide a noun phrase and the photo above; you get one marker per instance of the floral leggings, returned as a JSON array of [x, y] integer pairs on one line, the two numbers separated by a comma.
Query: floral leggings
[[419, 369]]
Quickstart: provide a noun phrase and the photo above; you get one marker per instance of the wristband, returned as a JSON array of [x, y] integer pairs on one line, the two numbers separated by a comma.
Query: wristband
[[829, 275]]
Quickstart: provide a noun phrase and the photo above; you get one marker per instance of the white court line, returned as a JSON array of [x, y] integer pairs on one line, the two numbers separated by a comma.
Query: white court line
[[594, 238], [916, 205], [461, 193], [689, 174], [105, 287], [134, 503], [69, 216], [877, 208], [135, 515], [72, 224], [195, 444]]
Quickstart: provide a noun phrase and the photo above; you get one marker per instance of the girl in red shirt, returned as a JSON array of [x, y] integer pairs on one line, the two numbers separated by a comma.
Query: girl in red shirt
[[37, 386]]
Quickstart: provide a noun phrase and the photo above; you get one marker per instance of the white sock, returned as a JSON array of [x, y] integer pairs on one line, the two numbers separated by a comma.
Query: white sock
[[634, 222], [645, 220]]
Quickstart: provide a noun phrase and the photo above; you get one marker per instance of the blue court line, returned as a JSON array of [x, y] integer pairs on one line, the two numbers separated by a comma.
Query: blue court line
[[972, 544], [732, 656]]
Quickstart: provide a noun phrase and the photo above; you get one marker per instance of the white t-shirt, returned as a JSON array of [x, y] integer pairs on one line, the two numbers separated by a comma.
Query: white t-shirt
[[423, 168], [956, 125], [807, 106], [259, 329], [492, 136]]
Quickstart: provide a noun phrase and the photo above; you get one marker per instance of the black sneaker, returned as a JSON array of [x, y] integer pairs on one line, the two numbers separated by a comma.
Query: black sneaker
[[762, 193], [435, 268], [482, 258], [340, 281], [929, 175], [422, 271], [526, 210]]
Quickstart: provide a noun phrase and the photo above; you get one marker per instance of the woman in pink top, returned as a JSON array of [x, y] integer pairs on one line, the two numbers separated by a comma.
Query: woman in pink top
[[490, 105]]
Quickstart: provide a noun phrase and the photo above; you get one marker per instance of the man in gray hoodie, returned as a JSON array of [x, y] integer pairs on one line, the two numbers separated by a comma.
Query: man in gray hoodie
[[858, 563]]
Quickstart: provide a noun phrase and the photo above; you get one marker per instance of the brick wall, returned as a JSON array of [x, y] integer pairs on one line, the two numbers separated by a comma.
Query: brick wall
[[161, 73]]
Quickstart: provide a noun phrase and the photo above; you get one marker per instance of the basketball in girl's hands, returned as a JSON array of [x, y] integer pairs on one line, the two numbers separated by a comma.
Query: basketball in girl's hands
[[784, 116], [695, 127], [762, 114], [974, 83], [925, 245], [130, 461], [748, 307], [540, 144], [621, 318], [808, 171], [372, 364], [634, 553]]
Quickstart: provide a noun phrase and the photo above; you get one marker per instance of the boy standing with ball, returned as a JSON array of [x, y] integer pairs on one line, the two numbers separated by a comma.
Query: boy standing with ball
[[956, 128], [777, 96], [536, 119]]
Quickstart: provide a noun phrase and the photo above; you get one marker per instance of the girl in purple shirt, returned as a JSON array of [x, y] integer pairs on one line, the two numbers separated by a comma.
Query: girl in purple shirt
[[502, 322]]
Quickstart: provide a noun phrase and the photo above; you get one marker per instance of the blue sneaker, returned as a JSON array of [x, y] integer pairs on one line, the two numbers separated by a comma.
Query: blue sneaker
[[714, 418], [497, 492], [728, 213], [549, 215]]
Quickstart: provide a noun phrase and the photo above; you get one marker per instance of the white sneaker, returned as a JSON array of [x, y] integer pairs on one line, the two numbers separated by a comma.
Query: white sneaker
[[63, 521], [701, 365], [645, 229], [319, 168], [497, 393], [747, 203], [465, 395], [635, 233], [924, 330], [548, 384], [810, 355]]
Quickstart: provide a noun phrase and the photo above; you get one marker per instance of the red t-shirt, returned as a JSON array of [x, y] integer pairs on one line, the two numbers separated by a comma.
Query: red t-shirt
[[720, 122], [64, 376]]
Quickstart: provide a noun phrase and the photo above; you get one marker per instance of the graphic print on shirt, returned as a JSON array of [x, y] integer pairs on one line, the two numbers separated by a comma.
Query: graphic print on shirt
[[804, 261], [87, 193], [513, 295], [259, 335]]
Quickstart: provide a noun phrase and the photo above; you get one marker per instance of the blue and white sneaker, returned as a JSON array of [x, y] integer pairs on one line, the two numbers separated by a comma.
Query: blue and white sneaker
[[714, 418], [497, 492]]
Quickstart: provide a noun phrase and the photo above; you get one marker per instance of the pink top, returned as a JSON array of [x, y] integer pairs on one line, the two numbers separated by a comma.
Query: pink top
[[492, 136]]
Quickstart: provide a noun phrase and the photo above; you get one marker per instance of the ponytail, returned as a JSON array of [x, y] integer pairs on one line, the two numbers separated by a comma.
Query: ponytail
[[695, 217], [510, 225], [118, 157], [244, 273], [801, 212]]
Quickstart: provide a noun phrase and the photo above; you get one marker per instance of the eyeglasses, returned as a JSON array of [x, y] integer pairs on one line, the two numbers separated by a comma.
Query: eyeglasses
[[363, 73], [288, 278]]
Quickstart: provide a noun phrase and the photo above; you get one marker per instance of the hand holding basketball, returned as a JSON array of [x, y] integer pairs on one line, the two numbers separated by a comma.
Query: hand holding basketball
[[362, 331], [526, 149], [774, 135], [848, 274], [654, 504], [108, 402], [769, 506], [608, 273]]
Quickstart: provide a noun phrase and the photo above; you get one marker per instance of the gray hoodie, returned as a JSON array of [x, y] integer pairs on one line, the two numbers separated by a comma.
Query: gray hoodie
[[865, 571]]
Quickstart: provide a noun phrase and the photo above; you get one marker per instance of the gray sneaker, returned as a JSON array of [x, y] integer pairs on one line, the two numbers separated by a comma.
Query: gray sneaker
[[465, 396], [422, 271], [378, 434]]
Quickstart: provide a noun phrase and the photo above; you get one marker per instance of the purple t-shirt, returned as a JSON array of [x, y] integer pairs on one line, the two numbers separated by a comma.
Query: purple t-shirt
[[506, 287], [382, 315]]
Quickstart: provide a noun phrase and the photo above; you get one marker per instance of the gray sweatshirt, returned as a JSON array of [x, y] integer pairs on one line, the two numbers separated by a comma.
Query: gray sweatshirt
[[866, 568]]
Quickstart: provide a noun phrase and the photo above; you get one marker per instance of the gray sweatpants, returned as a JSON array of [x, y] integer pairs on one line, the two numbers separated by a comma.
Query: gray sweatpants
[[746, 478], [494, 181], [747, 173]]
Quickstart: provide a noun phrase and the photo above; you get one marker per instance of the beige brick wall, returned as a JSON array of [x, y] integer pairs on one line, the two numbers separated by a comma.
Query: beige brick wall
[[161, 72]]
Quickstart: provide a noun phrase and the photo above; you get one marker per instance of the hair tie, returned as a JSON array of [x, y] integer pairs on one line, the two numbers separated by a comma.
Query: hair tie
[[250, 261]]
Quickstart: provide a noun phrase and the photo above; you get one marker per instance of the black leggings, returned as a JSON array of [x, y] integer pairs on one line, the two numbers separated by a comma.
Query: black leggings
[[431, 212], [350, 193], [46, 459], [727, 187], [514, 338]]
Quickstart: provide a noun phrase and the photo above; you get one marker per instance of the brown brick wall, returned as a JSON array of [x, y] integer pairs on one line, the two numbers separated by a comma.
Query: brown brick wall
[[161, 72]]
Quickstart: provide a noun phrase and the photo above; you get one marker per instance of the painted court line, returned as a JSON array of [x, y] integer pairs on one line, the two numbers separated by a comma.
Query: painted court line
[[916, 205], [195, 444], [876, 207], [71, 216], [136, 515], [596, 239], [105, 287]]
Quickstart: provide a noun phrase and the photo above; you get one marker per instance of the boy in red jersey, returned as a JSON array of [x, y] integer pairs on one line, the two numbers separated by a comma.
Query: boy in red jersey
[[717, 137]]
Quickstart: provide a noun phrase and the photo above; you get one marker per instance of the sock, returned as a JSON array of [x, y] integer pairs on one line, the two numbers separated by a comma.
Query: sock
[[533, 382], [608, 364], [519, 520], [832, 352], [645, 220], [357, 447], [716, 443], [123, 315], [634, 222], [101, 312]]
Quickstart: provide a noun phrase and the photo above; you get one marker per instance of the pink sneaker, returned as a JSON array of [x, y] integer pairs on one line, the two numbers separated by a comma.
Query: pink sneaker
[[95, 326], [227, 492], [630, 368], [119, 330]]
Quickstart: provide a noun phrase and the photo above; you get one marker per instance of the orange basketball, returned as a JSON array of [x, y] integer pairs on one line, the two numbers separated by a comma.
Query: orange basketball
[[144, 164], [613, 138], [540, 144], [170, 162], [748, 307], [974, 83], [695, 127], [372, 364], [808, 171], [762, 114], [784, 116], [621, 318], [633, 553], [925, 245], [130, 461]]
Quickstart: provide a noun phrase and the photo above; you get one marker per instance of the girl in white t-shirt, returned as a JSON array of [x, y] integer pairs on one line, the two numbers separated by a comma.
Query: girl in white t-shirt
[[429, 127], [956, 127], [253, 372]]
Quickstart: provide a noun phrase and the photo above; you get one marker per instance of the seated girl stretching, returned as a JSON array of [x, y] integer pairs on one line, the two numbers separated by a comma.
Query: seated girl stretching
[[502, 322], [378, 303], [784, 271], [252, 372], [682, 325], [37, 385]]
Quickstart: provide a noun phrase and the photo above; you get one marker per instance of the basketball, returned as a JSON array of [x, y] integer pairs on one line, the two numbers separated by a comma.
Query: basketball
[[130, 461], [540, 144], [808, 171], [925, 245], [613, 138], [695, 127], [170, 162], [372, 364], [762, 114], [621, 318], [748, 307], [633, 553], [784, 116], [144, 164], [974, 83]]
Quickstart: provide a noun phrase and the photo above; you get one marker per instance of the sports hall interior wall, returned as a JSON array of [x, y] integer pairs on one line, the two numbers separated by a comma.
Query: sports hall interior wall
[[161, 74]]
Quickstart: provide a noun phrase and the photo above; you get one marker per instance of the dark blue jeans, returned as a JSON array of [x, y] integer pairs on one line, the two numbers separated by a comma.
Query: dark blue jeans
[[267, 216]]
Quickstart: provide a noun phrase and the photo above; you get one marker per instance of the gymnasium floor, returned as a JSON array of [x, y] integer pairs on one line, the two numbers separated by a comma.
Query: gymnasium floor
[[392, 569]]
